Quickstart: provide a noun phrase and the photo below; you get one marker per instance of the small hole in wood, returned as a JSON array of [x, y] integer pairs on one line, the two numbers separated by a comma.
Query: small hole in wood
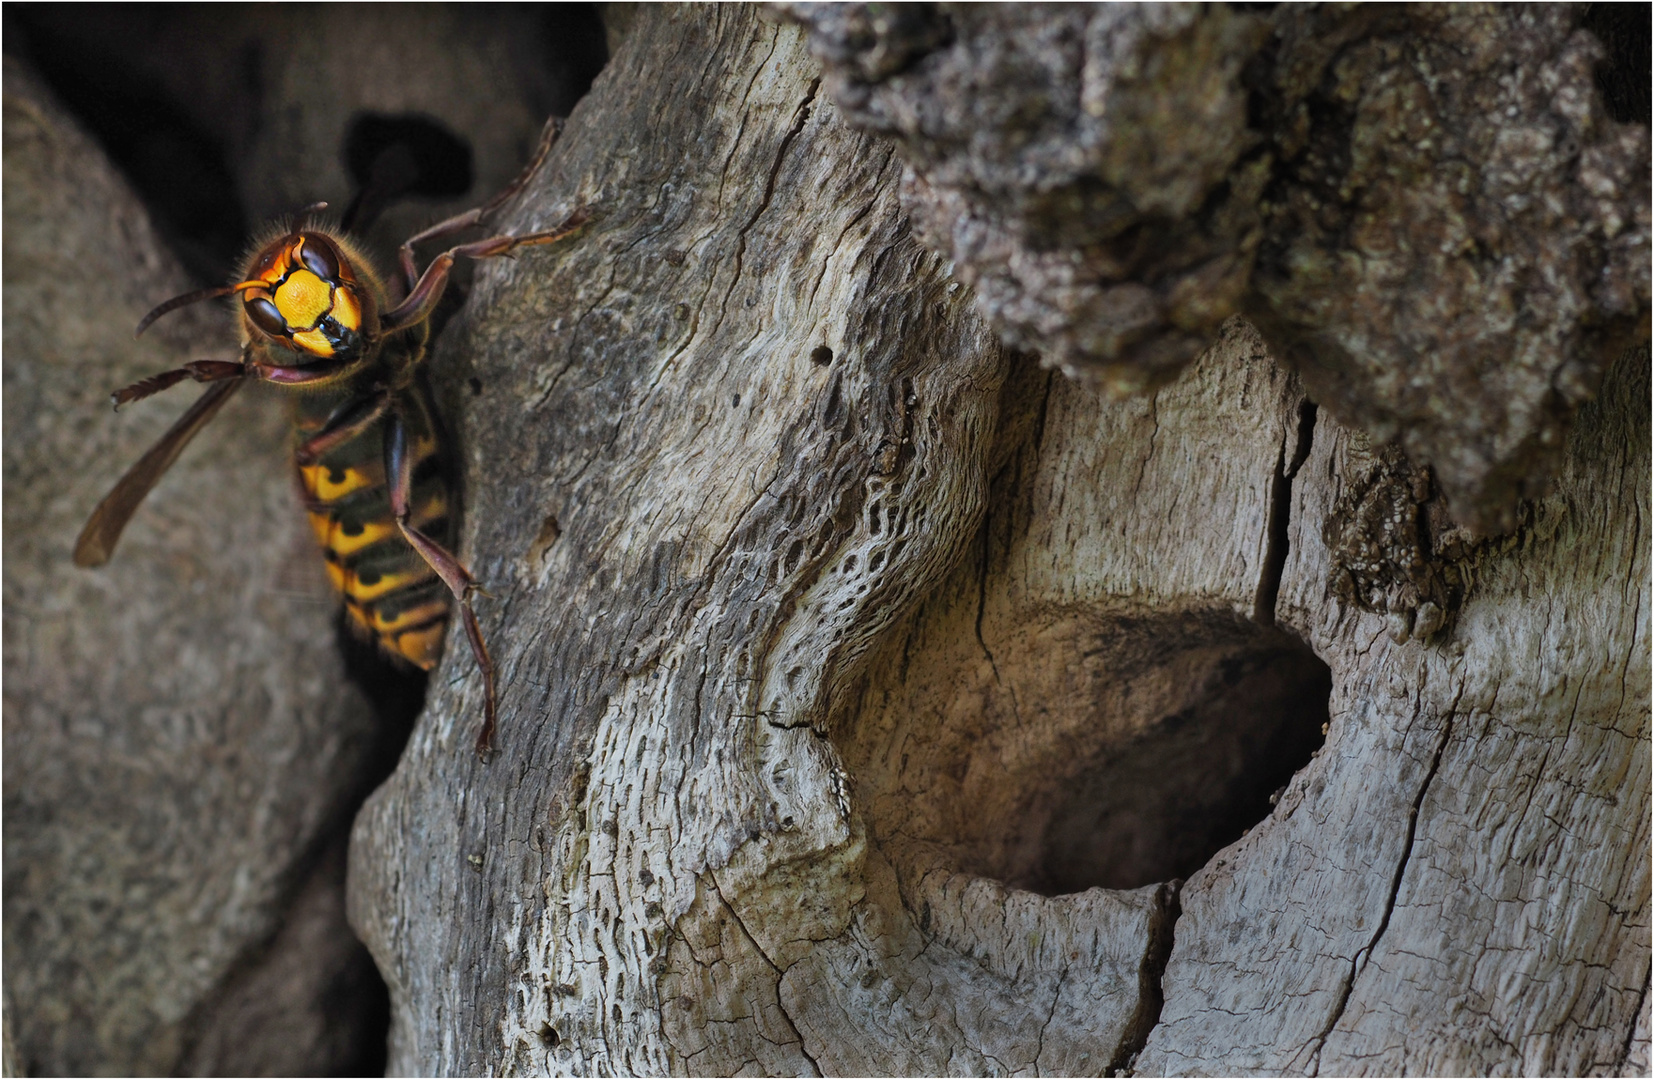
[[548, 535], [821, 356]]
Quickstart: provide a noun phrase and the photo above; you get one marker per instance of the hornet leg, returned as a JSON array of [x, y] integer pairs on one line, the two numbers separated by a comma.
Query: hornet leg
[[399, 474], [344, 425], [481, 214], [200, 370], [422, 298]]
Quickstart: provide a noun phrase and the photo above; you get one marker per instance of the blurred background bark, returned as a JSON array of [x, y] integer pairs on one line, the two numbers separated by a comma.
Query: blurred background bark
[[187, 734]]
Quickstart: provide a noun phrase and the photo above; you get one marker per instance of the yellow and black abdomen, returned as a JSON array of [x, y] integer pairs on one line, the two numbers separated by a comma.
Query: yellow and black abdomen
[[389, 591]]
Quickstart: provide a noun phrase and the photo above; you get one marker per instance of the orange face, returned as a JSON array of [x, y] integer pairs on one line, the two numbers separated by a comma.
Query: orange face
[[308, 297]]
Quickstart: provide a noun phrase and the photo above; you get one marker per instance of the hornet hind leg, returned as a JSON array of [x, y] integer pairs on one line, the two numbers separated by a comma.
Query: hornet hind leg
[[399, 476]]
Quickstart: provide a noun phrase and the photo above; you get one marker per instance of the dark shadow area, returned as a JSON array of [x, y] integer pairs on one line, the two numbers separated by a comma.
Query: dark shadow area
[[1194, 782], [1625, 75], [438, 161], [358, 1005], [397, 693], [107, 64], [1062, 748], [173, 91], [394, 157], [357, 994], [574, 43]]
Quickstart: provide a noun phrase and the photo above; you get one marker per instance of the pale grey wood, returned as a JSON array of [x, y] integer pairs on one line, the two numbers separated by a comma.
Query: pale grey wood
[[893, 429], [1506, 930]]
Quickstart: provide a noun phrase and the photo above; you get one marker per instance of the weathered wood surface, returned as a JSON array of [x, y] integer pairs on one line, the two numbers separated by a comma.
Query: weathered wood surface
[[1460, 883], [1429, 209], [802, 656], [658, 448]]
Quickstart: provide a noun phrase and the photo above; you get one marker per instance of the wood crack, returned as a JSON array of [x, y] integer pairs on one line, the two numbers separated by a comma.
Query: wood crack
[[982, 593], [1631, 1031], [1277, 539], [1143, 465], [800, 118], [780, 973], [1151, 997], [1056, 999], [1358, 962]]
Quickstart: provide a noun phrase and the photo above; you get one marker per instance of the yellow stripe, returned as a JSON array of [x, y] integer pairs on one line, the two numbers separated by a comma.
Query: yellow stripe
[[322, 526], [330, 531], [420, 647], [387, 583], [319, 485], [412, 616], [341, 543], [359, 614]]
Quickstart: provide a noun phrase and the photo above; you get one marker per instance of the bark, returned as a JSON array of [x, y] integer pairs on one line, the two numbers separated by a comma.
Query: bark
[[859, 677], [1428, 210], [875, 700]]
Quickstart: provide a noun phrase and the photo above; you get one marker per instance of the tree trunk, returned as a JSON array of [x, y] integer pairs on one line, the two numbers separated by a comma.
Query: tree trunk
[[867, 690], [874, 699]]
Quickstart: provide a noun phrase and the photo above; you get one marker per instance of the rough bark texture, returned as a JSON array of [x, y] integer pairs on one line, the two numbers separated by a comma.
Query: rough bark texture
[[859, 678], [1428, 211], [1424, 898], [875, 701]]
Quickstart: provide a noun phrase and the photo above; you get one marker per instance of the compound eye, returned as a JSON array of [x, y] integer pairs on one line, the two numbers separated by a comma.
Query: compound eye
[[266, 317], [318, 259]]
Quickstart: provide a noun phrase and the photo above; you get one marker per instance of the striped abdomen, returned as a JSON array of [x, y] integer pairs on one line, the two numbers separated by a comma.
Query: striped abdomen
[[389, 591]]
